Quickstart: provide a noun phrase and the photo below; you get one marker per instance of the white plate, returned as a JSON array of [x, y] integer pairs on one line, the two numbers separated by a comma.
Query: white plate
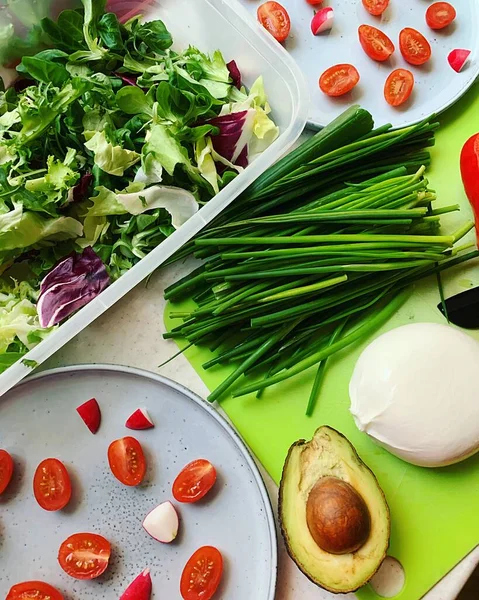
[[38, 420], [437, 85]]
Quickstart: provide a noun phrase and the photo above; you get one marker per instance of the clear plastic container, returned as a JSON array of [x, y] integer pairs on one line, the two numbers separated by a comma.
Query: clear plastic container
[[210, 25]]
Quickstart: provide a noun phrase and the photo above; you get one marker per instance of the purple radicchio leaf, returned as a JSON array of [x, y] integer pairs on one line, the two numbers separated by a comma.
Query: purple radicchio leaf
[[70, 285], [22, 83], [235, 133], [235, 73], [82, 188], [128, 78]]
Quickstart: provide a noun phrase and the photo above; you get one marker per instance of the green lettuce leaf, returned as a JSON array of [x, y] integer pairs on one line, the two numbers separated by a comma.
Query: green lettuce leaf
[[166, 149], [114, 160], [154, 35], [60, 177], [179, 203], [206, 163], [19, 325], [20, 230], [40, 105], [93, 11]]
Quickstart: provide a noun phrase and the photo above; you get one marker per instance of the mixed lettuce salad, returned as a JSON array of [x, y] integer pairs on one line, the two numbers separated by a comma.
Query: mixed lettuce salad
[[110, 140]]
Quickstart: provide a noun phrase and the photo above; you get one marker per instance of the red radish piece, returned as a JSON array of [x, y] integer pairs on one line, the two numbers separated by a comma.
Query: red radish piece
[[458, 58], [322, 21], [140, 419], [91, 415], [140, 588], [162, 523]]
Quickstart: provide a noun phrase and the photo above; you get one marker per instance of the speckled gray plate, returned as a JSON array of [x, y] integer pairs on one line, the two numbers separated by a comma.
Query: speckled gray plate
[[38, 420]]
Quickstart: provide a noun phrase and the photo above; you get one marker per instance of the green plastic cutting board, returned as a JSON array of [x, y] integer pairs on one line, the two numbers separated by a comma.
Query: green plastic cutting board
[[434, 512]]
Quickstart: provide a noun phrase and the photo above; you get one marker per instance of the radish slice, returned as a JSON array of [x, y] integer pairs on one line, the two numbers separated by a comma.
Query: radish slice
[[140, 419], [139, 588], [91, 415], [322, 20], [457, 59], [162, 523]]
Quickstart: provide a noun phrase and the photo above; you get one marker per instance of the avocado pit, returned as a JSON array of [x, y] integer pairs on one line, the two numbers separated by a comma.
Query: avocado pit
[[337, 516]]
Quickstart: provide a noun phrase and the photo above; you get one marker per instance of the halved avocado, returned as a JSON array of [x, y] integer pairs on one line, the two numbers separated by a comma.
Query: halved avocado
[[333, 514]]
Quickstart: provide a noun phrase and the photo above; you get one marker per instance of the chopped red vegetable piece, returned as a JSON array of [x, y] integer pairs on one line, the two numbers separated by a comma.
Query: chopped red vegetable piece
[[140, 419], [458, 58], [91, 414], [140, 588]]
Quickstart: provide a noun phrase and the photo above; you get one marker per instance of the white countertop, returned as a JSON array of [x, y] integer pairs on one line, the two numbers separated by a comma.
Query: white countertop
[[130, 333]]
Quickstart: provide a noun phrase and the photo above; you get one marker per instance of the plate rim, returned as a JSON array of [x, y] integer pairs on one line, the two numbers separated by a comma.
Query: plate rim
[[208, 408]]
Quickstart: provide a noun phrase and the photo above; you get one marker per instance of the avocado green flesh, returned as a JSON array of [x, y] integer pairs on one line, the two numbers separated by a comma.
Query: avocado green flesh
[[330, 454]]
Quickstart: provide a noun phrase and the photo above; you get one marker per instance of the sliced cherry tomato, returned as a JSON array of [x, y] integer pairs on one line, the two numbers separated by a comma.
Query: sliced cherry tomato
[[339, 80], [398, 87], [127, 461], [415, 49], [84, 555], [194, 481], [202, 574], [440, 15], [33, 590], [375, 43], [51, 485], [6, 470], [275, 19], [375, 7], [315, 2]]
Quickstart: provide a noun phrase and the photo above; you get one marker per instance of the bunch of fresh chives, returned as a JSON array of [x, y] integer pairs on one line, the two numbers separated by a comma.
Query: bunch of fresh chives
[[316, 254]]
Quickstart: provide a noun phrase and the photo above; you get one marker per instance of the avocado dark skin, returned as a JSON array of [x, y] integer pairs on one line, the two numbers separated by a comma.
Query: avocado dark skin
[[333, 514]]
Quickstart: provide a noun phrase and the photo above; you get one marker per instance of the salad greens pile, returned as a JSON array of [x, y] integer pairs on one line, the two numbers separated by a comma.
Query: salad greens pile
[[111, 140]]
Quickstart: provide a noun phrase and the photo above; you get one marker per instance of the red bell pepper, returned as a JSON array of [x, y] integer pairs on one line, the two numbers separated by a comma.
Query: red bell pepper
[[470, 174]]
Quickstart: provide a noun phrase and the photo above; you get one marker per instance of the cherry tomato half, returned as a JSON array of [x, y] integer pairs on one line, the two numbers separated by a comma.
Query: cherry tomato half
[[415, 49], [275, 19], [315, 2], [30, 590], [6, 470], [440, 15], [194, 481], [375, 7], [51, 485], [84, 555], [398, 87], [338, 80], [375, 43], [127, 461], [202, 574]]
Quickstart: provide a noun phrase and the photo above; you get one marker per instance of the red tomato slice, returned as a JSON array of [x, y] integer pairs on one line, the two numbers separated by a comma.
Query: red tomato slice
[[415, 49], [33, 590], [51, 485], [440, 15], [6, 470], [375, 43], [127, 461], [202, 574], [338, 80], [84, 555], [275, 19], [194, 481], [375, 7], [315, 2], [398, 87]]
